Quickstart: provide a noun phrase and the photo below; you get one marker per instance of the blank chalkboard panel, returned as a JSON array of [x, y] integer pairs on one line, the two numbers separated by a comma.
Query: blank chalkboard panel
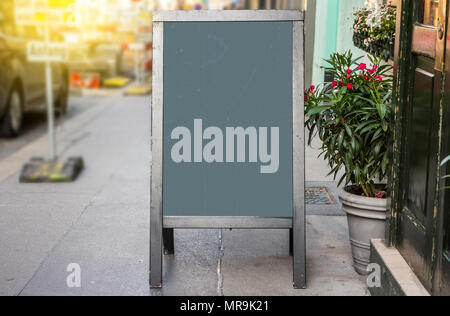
[[228, 75]]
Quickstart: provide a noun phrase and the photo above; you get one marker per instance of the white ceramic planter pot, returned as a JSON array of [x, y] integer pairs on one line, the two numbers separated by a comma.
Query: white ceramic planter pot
[[366, 221]]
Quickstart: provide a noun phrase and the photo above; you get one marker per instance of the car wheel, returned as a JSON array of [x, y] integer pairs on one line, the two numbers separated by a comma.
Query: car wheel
[[12, 122]]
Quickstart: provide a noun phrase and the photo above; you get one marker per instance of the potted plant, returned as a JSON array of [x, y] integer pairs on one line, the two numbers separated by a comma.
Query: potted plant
[[352, 116]]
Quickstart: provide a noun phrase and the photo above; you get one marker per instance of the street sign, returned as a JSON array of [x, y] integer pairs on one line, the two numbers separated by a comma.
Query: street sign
[[47, 52], [47, 14], [227, 126]]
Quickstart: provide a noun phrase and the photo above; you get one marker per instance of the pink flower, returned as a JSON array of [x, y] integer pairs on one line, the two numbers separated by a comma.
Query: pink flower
[[366, 77], [362, 66], [375, 67], [349, 71], [312, 88], [349, 86], [341, 83], [379, 78], [381, 194], [334, 84]]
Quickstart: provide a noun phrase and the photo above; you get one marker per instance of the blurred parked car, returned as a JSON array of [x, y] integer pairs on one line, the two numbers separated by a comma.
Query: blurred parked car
[[101, 58], [22, 84]]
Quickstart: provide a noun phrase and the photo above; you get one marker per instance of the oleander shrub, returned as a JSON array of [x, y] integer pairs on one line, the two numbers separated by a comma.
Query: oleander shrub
[[352, 117]]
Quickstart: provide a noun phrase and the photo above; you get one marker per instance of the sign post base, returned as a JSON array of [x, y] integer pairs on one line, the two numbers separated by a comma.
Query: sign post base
[[39, 170]]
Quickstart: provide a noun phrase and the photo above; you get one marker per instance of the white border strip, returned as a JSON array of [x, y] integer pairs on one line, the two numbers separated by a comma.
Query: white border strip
[[228, 15], [222, 222]]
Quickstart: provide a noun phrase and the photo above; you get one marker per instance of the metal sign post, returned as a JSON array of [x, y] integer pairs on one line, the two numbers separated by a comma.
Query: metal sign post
[[50, 104], [228, 88], [41, 13], [47, 52], [47, 13]]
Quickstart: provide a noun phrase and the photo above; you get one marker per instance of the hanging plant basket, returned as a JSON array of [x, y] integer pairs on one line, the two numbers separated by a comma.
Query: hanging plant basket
[[383, 49], [374, 31]]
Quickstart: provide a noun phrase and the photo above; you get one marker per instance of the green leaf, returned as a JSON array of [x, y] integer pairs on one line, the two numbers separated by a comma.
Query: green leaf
[[357, 175], [387, 96], [342, 180], [447, 159], [341, 139], [381, 110], [348, 130], [311, 134], [378, 148], [365, 99], [362, 125], [385, 163], [370, 127], [377, 133], [317, 110]]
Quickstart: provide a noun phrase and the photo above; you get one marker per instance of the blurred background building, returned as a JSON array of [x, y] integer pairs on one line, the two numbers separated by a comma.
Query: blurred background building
[[113, 38]]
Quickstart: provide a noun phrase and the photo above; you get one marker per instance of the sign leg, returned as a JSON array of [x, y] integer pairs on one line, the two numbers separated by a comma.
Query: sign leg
[[156, 165], [299, 254], [299, 220], [168, 241], [155, 251], [291, 242]]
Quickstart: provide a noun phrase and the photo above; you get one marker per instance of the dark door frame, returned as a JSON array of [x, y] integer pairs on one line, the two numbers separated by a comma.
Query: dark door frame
[[407, 30]]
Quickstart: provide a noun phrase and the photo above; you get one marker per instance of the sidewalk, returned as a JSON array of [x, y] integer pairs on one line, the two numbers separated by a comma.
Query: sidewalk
[[101, 222]]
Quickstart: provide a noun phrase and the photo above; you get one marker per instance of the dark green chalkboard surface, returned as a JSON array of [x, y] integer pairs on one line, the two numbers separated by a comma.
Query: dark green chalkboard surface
[[220, 77]]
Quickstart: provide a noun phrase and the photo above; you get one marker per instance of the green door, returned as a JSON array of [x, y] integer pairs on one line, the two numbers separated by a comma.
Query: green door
[[418, 212]]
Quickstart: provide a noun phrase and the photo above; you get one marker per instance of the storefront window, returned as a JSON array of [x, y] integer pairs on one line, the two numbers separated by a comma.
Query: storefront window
[[428, 12]]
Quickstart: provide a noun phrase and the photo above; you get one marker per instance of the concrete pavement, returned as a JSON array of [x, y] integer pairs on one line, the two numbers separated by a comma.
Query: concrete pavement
[[101, 222]]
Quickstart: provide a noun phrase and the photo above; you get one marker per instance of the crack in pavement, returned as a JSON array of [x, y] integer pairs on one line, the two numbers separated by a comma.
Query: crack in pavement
[[219, 265]]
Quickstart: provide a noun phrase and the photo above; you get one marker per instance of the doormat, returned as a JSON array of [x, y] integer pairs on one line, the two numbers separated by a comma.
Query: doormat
[[318, 196]]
